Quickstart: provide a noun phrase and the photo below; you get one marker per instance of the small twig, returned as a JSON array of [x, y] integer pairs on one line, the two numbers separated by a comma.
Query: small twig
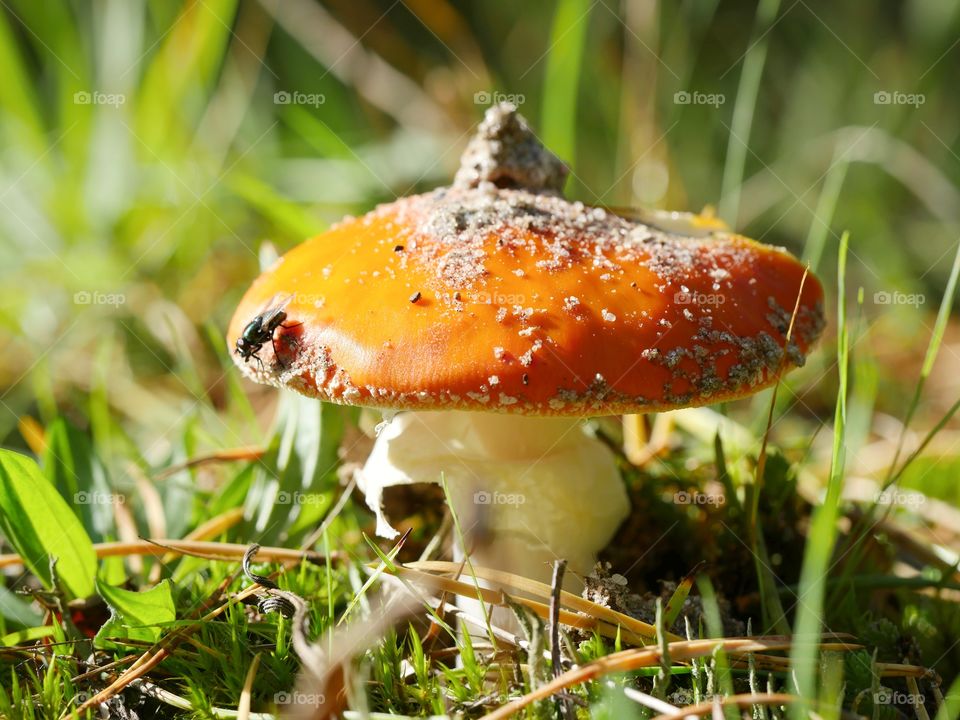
[[564, 708], [739, 701], [559, 567], [649, 701], [163, 648], [627, 660], [211, 528], [101, 669], [227, 552], [593, 616], [918, 701], [181, 703], [241, 453], [155, 655]]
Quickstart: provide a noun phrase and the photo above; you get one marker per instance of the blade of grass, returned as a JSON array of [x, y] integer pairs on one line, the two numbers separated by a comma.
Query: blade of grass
[[17, 96], [559, 115], [773, 614], [823, 527], [188, 59], [539, 589], [743, 108], [933, 348], [941, 423], [461, 539], [855, 546], [679, 597], [723, 476], [823, 214], [386, 563], [714, 621]]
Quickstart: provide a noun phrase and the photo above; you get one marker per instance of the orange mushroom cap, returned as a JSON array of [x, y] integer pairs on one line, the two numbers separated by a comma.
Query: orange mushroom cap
[[498, 294]]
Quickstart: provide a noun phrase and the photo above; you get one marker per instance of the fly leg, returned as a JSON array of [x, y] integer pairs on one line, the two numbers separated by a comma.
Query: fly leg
[[293, 341]]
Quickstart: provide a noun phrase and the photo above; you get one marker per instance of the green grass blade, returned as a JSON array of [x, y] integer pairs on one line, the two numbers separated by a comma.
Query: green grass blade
[[823, 214], [73, 467], [386, 563], [823, 528], [941, 423], [859, 533], [559, 114], [743, 109], [17, 97], [181, 73], [933, 348], [672, 611]]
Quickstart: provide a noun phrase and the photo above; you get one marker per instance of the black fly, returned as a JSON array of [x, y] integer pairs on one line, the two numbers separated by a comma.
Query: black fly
[[261, 330]]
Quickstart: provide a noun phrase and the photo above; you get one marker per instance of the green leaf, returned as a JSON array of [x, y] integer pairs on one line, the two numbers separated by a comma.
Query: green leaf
[[42, 528], [72, 467], [950, 709], [135, 616], [299, 463], [17, 610]]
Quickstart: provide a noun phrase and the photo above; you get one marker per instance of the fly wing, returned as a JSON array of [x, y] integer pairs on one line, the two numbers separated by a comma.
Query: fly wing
[[274, 308]]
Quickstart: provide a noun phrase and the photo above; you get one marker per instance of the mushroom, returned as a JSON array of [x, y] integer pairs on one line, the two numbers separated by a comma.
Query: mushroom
[[497, 316]]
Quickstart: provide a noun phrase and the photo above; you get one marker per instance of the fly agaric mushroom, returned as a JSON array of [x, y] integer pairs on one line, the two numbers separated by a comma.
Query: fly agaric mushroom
[[497, 316]]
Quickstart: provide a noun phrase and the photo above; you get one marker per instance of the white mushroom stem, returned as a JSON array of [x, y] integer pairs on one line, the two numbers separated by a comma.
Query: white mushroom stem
[[526, 490]]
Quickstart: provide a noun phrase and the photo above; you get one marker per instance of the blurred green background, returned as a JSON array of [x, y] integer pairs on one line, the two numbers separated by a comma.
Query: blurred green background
[[148, 150]]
